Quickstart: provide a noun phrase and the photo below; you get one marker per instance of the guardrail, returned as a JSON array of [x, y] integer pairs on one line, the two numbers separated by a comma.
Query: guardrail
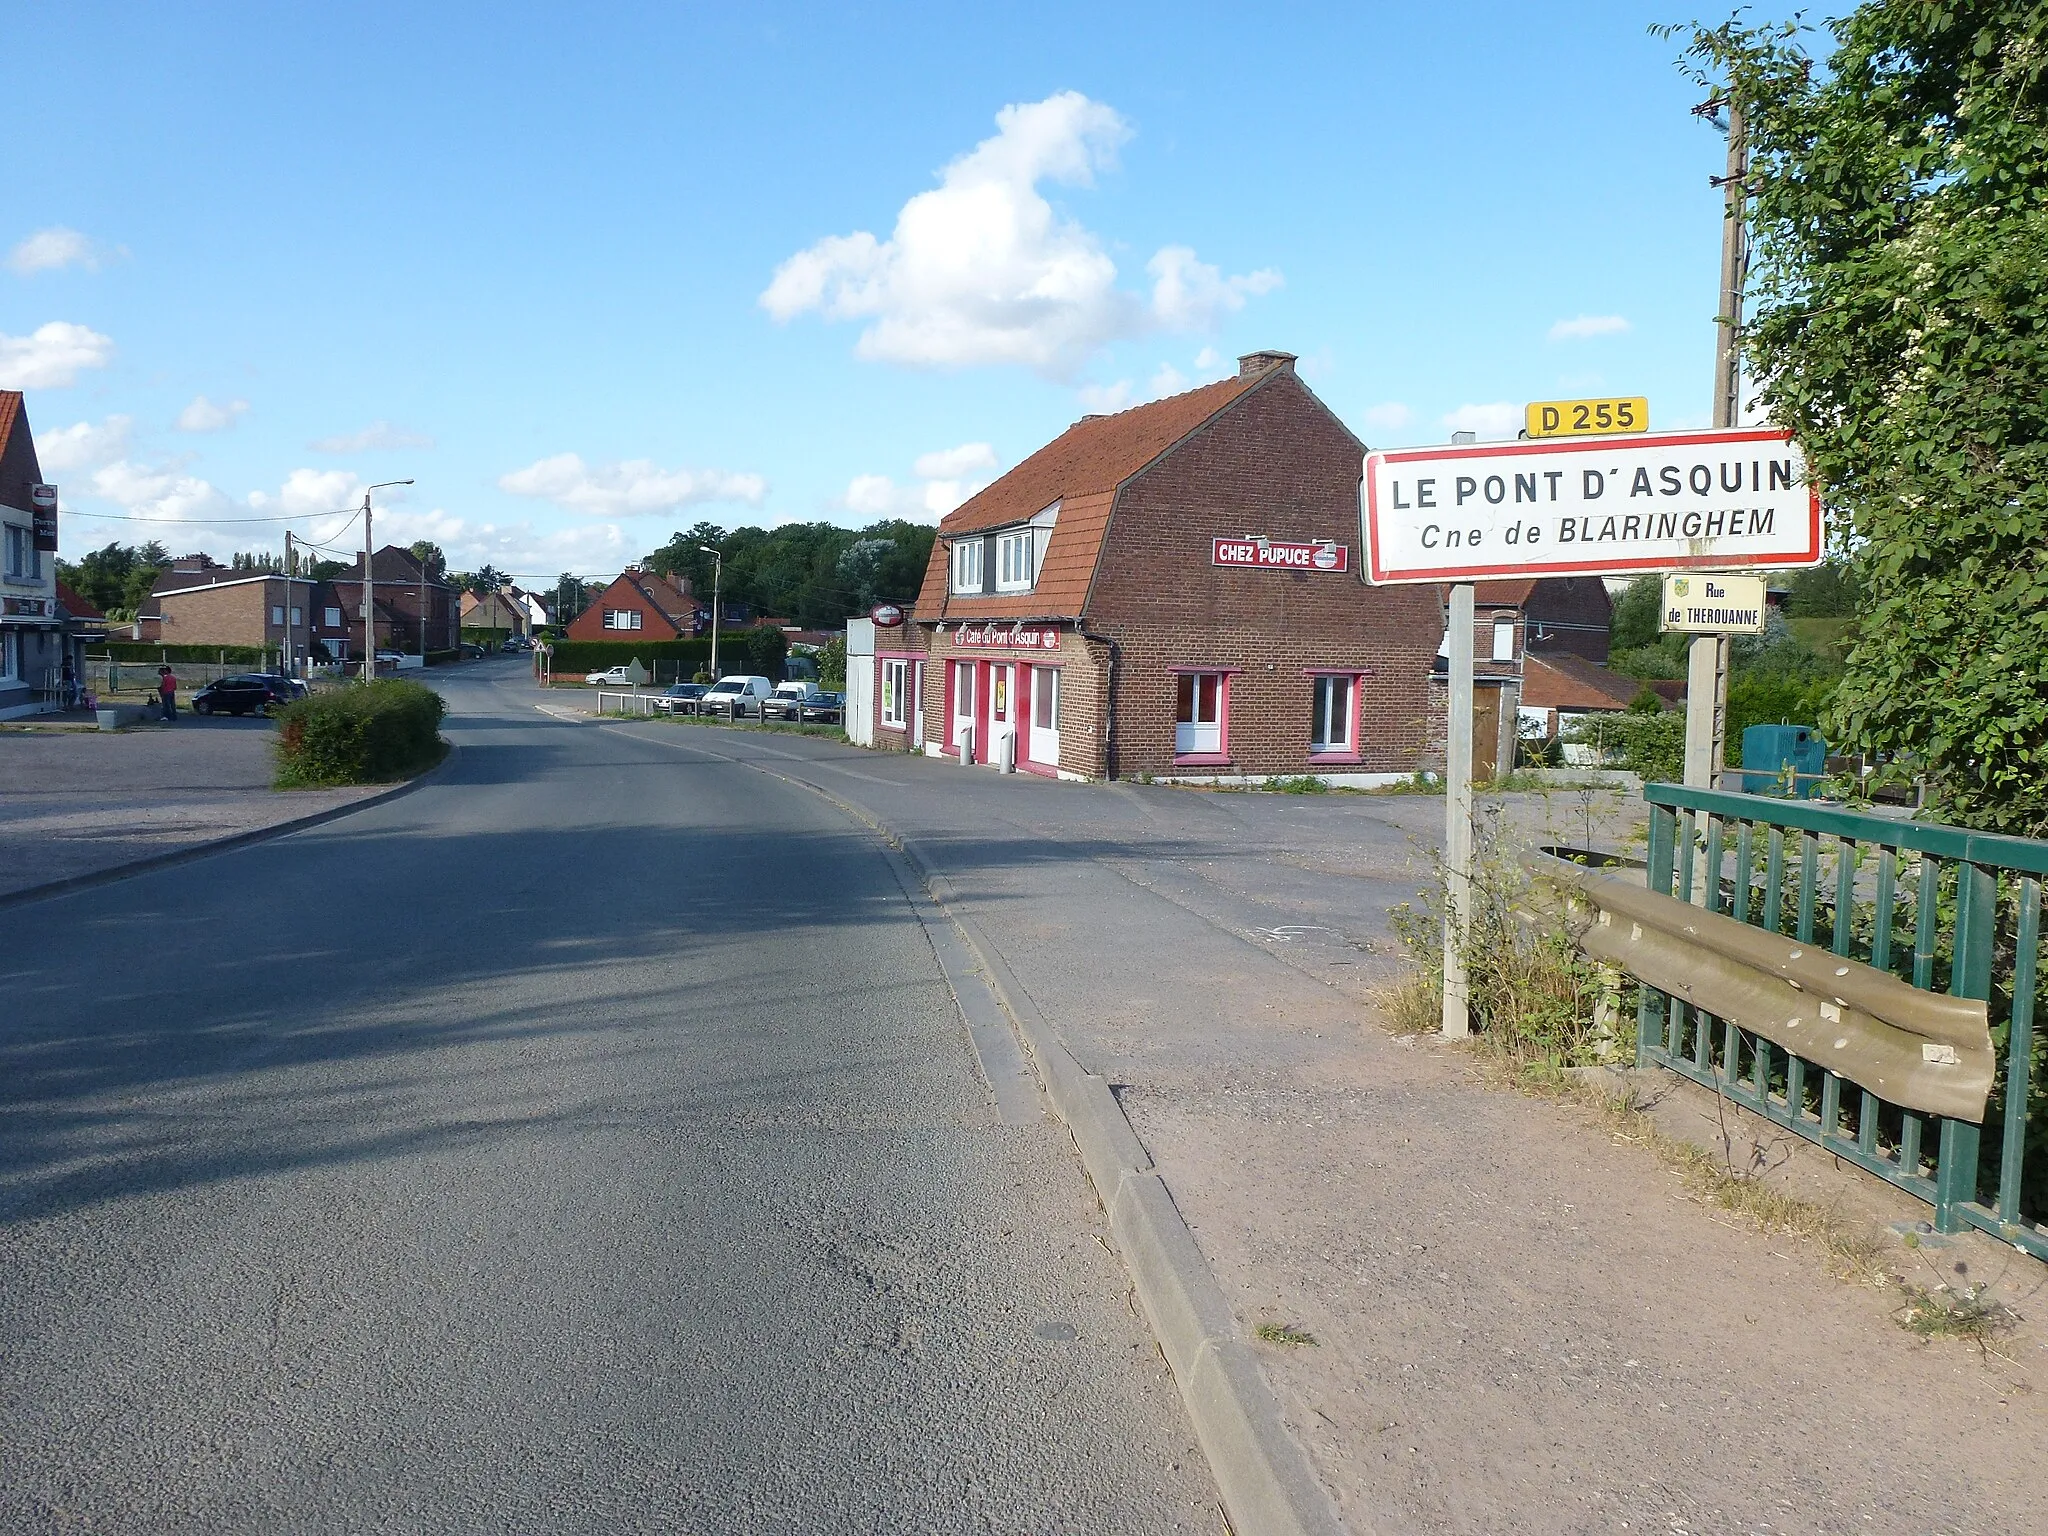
[[1939, 909], [627, 703]]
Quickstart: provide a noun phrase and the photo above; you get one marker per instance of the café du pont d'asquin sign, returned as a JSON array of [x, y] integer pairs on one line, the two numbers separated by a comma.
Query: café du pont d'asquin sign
[[1724, 499]]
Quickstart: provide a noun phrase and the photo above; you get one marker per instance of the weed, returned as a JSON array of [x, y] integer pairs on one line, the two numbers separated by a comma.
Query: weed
[[1284, 1333], [1296, 784], [1970, 1314]]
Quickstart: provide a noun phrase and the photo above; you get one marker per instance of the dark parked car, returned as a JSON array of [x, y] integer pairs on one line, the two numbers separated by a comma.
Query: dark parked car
[[680, 698], [825, 709], [252, 693]]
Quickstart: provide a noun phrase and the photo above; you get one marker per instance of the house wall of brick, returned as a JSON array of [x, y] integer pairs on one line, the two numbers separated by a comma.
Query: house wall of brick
[[237, 614], [1277, 464], [624, 595], [1083, 697], [1573, 614]]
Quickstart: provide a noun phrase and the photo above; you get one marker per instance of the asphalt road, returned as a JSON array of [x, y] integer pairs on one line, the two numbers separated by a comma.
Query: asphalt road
[[588, 1141]]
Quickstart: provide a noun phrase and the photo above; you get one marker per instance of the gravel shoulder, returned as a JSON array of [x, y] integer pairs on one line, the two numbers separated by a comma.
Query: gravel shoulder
[[1522, 1321], [79, 802]]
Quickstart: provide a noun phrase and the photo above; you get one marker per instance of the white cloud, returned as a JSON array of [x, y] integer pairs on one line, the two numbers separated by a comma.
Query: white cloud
[[310, 492], [83, 445], [981, 270], [1498, 418], [159, 493], [51, 356], [1190, 295], [50, 250], [951, 463], [1208, 358], [1105, 399], [1583, 326], [521, 549], [377, 437], [633, 488], [1169, 380], [1389, 417], [202, 415]]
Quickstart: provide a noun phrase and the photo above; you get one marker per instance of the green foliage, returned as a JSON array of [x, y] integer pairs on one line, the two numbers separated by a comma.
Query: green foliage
[[1648, 701], [116, 579], [1638, 615], [228, 655], [1899, 222], [813, 574], [1827, 591], [428, 553], [832, 664], [365, 733], [1650, 745], [1296, 784]]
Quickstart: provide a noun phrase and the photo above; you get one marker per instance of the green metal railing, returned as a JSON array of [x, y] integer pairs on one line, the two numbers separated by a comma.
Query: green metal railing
[[1945, 909]]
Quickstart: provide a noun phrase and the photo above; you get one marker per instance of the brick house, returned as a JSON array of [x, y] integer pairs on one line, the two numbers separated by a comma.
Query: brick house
[[32, 642], [197, 601], [1172, 590], [408, 601], [642, 605], [501, 613]]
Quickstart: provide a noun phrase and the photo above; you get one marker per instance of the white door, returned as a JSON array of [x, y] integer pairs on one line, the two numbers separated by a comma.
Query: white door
[[1198, 717], [1045, 716], [963, 701]]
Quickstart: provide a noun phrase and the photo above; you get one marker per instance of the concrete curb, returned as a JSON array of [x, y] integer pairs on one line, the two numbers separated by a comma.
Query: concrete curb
[[176, 856], [1260, 1469]]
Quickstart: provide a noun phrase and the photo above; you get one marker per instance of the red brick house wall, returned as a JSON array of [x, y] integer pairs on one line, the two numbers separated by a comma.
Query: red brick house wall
[[664, 611], [1275, 463]]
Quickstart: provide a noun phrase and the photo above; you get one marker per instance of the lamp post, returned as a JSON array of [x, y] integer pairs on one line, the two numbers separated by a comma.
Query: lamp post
[[370, 584], [717, 585]]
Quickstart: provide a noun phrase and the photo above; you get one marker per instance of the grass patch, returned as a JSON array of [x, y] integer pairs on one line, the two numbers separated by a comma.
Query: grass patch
[[1284, 1333], [776, 727], [1295, 784], [1971, 1315]]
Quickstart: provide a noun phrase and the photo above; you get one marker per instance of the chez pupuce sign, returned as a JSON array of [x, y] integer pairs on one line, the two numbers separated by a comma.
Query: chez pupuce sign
[[1719, 499], [1258, 552]]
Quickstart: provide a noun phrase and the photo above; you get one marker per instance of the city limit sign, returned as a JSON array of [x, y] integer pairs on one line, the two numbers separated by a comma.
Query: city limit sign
[[1731, 499]]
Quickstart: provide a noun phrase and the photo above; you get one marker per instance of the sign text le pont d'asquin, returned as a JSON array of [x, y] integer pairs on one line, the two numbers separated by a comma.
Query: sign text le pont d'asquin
[[1716, 500]]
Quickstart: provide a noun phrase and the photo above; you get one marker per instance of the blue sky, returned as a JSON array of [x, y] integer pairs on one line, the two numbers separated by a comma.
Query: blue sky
[[590, 274]]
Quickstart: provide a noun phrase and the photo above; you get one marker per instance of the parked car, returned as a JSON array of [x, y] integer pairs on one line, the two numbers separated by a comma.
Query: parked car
[[516, 643], [611, 677], [825, 709], [736, 697], [680, 698], [788, 700], [286, 687], [252, 693], [472, 652]]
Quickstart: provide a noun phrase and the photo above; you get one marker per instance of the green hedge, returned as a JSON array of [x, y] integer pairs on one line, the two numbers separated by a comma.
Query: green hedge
[[225, 655], [362, 734], [739, 650]]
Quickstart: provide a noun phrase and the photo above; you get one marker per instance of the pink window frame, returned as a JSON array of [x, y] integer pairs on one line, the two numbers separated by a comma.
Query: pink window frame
[[882, 659], [1221, 757], [1352, 753]]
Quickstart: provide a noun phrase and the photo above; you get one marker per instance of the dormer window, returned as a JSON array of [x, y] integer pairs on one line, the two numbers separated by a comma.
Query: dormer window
[[1015, 570], [967, 565]]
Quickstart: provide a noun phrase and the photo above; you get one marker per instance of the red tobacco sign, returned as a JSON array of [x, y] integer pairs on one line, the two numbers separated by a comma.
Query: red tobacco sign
[[886, 615], [1279, 555]]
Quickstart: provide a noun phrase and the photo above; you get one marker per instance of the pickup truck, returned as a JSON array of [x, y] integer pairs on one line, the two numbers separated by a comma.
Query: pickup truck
[[735, 697]]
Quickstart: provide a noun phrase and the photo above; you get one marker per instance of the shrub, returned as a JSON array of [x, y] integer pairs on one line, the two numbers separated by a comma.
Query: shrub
[[366, 733]]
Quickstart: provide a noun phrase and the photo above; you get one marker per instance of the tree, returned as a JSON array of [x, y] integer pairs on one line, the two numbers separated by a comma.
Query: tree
[[118, 578], [429, 555], [1898, 213]]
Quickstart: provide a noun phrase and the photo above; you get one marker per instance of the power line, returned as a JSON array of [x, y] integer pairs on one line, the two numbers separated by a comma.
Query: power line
[[212, 522]]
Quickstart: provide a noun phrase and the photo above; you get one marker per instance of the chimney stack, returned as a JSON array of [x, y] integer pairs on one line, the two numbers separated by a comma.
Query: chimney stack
[[1254, 364]]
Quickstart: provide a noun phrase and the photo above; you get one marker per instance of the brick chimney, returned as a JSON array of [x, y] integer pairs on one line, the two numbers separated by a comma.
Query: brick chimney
[[1253, 364], [680, 582]]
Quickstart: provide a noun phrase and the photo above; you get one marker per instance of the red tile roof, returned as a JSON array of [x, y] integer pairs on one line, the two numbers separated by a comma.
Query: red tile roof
[[1080, 469], [75, 605], [10, 409], [1564, 681]]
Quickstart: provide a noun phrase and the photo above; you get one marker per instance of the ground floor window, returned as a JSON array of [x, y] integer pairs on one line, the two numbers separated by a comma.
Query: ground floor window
[[1333, 720], [1198, 721], [10, 654], [896, 693]]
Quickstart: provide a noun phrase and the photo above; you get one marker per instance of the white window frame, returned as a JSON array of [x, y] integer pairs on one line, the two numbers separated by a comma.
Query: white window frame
[[1325, 711], [1045, 716], [10, 655], [24, 560], [896, 694], [1198, 736], [1015, 569], [334, 618], [622, 618], [1503, 639], [967, 564]]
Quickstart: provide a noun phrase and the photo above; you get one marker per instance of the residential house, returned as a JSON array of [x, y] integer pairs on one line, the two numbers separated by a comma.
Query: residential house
[[32, 629], [1173, 590], [198, 601], [641, 604], [413, 611], [499, 613]]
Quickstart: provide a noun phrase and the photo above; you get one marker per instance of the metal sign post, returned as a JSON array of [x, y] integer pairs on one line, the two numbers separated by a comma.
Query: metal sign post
[[1458, 815]]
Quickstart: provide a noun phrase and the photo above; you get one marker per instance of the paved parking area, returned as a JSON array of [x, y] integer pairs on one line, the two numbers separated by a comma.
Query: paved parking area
[[76, 802]]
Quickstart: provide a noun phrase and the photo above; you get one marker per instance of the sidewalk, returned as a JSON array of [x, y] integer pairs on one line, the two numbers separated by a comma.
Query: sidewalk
[[79, 802], [1522, 1324]]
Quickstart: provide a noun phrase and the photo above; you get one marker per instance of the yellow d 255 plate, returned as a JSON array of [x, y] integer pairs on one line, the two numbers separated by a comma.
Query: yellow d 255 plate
[[1588, 418]]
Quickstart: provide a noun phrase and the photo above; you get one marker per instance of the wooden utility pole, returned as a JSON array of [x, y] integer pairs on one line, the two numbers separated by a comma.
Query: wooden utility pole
[[1706, 669]]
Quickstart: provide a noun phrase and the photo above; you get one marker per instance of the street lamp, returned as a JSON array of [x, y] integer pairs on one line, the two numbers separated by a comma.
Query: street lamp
[[370, 584], [717, 582]]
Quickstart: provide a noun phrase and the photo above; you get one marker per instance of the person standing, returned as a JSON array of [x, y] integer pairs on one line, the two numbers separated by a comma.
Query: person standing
[[167, 692]]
